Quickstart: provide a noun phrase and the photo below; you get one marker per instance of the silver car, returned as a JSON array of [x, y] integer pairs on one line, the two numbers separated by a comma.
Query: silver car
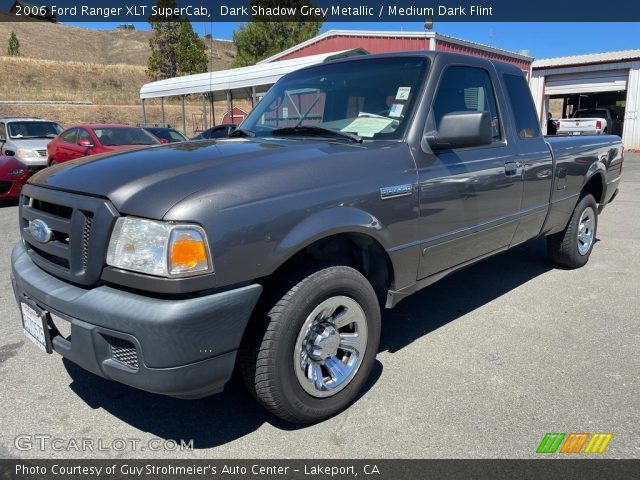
[[27, 139]]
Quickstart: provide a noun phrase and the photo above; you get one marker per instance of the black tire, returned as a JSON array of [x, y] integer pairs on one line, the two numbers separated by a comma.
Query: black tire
[[52, 163], [267, 354], [563, 247]]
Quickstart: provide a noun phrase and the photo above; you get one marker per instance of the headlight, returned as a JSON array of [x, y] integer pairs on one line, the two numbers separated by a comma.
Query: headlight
[[17, 172], [27, 153], [159, 248]]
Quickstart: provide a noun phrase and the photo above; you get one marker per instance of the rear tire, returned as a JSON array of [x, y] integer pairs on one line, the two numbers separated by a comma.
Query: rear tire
[[309, 356], [572, 247]]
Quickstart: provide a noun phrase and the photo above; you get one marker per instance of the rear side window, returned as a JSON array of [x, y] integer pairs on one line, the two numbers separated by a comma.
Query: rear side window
[[522, 106], [466, 89]]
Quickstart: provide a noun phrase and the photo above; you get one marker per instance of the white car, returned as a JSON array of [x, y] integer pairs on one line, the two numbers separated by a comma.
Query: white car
[[26, 139]]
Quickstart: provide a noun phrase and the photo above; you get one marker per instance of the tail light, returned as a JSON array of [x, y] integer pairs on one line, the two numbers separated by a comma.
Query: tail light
[[558, 125], [598, 124]]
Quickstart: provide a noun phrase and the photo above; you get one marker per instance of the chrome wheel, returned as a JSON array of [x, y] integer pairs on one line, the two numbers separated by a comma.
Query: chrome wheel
[[585, 230], [330, 346]]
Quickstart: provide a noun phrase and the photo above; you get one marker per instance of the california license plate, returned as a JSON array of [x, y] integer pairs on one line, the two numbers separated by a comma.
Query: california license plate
[[34, 325]]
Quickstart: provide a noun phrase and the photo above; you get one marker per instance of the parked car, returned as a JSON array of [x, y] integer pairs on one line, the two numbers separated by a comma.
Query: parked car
[[219, 131], [13, 175], [27, 139], [593, 121], [276, 249], [89, 139], [166, 134]]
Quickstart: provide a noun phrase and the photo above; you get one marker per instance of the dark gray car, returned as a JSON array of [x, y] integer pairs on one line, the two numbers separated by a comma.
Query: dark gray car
[[350, 186]]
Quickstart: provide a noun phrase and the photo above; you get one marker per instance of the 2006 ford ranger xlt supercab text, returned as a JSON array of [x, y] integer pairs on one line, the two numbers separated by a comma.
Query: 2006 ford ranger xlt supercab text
[[351, 185]]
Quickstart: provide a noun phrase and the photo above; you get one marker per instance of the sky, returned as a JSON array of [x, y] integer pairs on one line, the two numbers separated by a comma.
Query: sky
[[543, 40]]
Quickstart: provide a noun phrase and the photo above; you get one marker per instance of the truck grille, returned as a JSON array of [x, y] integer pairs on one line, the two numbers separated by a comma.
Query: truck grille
[[80, 227], [42, 153]]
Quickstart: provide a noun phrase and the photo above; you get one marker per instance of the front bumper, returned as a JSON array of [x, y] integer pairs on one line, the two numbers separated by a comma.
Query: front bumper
[[183, 348]]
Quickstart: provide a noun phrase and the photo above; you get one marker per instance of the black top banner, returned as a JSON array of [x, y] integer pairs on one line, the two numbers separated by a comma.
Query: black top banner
[[325, 10]]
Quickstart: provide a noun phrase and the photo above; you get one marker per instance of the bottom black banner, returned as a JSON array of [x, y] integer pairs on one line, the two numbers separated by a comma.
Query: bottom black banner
[[320, 469]]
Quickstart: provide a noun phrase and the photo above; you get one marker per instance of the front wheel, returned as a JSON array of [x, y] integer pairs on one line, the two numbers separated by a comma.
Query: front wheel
[[308, 358], [572, 247]]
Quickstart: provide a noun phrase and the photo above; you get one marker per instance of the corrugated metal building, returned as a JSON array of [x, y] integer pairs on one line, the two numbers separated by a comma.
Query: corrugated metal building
[[561, 86], [381, 42]]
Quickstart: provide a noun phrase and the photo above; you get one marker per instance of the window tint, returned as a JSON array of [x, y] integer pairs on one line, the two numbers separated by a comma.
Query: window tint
[[84, 135], [219, 133], [522, 106], [69, 136], [466, 89]]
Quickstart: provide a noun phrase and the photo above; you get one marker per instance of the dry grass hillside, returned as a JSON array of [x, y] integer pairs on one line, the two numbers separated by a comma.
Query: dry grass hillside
[[105, 67], [36, 79], [53, 41]]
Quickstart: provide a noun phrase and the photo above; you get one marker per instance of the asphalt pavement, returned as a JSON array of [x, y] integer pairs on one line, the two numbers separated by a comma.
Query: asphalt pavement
[[480, 365]]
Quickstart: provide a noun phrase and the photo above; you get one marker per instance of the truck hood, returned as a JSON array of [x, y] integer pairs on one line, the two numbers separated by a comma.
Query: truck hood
[[150, 181]]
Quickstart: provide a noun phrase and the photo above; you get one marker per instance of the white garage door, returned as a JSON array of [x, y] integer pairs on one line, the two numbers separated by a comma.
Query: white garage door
[[589, 82]]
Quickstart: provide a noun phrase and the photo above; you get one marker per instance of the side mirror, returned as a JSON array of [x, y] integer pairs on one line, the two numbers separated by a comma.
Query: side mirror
[[86, 143], [462, 129], [164, 140], [9, 153]]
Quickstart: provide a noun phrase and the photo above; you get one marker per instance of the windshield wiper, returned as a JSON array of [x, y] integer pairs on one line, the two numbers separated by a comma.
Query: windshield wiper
[[316, 131], [241, 132]]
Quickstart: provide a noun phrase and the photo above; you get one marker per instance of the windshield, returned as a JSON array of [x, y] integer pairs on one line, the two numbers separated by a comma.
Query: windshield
[[170, 136], [591, 114], [113, 137], [33, 129], [371, 98]]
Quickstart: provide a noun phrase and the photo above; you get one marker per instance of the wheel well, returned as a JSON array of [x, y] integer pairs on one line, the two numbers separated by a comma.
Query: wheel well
[[594, 187], [355, 250]]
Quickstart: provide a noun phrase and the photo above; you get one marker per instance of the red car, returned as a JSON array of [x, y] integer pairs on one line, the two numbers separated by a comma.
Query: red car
[[13, 175], [89, 139]]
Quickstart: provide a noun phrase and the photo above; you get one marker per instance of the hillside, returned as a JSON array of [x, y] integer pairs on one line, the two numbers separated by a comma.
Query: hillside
[[105, 67], [53, 41]]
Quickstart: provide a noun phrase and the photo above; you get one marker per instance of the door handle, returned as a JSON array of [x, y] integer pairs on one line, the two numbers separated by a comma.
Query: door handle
[[511, 168]]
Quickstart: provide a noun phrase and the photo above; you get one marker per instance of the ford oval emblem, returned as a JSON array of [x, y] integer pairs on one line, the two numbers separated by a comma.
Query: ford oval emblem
[[40, 231]]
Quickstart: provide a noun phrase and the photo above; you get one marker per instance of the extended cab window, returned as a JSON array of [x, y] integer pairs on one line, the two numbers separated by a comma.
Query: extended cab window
[[466, 89], [522, 106]]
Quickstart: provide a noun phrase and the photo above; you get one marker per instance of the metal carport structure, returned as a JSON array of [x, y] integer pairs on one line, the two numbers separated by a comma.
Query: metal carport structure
[[222, 85]]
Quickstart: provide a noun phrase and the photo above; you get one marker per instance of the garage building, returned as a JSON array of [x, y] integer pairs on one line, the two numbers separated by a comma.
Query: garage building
[[562, 85]]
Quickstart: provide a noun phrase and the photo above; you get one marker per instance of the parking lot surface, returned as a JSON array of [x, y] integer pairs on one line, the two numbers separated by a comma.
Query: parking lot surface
[[479, 365]]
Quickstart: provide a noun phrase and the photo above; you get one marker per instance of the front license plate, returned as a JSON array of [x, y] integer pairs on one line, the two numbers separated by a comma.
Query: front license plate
[[576, 133], [35, 327]]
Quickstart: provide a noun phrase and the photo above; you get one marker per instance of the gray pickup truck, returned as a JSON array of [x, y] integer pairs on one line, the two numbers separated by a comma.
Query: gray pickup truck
[[351, 185]]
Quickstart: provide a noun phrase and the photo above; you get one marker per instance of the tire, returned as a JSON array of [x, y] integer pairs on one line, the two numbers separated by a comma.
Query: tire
[[52, 163], [572, 247], [299, 338]]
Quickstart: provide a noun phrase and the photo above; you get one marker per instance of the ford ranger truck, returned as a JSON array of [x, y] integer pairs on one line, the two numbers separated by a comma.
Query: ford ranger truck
[[353, 184]]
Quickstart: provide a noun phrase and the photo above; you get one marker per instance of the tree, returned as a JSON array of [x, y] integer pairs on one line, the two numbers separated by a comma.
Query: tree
[[190, 54], [13, 49], [260, 38], [162, 62], [175, 48]]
